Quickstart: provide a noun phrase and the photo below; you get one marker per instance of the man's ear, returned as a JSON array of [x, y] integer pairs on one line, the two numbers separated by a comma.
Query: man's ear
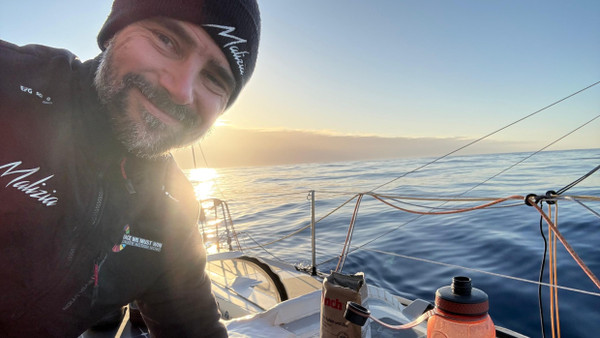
[[108, 42]]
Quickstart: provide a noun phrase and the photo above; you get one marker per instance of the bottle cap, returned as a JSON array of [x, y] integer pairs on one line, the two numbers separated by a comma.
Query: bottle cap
[[461, 298]]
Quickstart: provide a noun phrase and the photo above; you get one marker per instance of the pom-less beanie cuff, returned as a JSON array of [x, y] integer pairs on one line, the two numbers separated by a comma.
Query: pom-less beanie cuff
[[234, 25]]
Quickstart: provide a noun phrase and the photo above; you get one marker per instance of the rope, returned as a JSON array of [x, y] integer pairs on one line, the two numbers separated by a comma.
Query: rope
[[440, 207], [556, 274], [451, 211], [443, 199], [553, 278], [492, 204], [578, 197], [344, 253], [564, 242], [540, 278]]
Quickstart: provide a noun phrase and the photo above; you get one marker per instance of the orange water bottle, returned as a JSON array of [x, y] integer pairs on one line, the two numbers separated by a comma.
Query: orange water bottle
[[461, 311]]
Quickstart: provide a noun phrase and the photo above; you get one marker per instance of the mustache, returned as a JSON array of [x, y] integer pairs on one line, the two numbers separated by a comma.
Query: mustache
[[161, 99]]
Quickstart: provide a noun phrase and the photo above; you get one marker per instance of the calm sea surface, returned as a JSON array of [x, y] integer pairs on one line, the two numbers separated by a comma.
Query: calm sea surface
[[270, 202]]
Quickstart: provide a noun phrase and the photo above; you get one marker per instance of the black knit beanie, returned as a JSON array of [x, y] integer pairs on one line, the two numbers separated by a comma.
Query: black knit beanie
[[233, 24]]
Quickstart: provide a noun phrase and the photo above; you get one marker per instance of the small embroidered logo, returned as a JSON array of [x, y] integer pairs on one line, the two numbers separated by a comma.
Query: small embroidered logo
[[30, 91], [138, 242], [120, 247]]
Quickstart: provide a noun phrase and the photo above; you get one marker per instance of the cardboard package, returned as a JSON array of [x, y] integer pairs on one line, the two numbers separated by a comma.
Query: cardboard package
[[338, 289]]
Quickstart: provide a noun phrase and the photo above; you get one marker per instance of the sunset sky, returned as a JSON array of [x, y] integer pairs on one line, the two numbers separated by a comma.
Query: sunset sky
[[348, 79]]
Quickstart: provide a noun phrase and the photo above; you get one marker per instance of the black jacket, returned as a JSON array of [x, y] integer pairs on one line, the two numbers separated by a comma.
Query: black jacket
[[85, 228]]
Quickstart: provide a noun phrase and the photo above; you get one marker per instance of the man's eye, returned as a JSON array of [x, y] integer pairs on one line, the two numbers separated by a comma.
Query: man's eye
[[214, 80], [165, 40], [216, 84]]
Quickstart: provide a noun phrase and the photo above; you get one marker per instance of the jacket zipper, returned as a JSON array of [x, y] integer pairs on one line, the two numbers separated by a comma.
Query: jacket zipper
[[99, 201]]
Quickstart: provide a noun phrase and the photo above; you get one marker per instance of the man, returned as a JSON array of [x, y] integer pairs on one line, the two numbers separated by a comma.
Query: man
[[94, 213]]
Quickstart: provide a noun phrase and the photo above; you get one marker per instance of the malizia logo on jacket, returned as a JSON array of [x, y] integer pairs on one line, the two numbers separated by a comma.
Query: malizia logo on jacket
[[138, 242], [37, 190]]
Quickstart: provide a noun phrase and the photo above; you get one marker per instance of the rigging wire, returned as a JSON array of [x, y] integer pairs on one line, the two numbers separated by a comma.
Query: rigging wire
[[455, 266], [487, 135], [502, 171], [295, 232], [572, 198], [207, 166], [472, 188], [258, 245], [194, 156], [493, 202], [577, 181], [363, 247]]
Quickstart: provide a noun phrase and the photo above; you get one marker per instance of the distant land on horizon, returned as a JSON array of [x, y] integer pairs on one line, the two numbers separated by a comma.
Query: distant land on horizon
[[234, 147]]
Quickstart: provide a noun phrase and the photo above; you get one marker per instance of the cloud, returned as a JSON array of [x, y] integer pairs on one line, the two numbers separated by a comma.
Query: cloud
[[228, 146]]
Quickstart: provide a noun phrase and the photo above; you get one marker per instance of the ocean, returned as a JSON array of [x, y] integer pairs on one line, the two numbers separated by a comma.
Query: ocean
[[411, 255]]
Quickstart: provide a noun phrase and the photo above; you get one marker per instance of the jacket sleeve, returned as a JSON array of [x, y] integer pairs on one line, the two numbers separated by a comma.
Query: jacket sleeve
[[180, 303]]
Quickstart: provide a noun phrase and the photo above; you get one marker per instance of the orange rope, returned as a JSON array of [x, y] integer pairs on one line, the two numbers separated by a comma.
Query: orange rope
[[567, 246], [556, 274], [514, 197]]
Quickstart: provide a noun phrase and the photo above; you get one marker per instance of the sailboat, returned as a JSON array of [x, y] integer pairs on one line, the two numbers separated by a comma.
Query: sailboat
[[262, 296]]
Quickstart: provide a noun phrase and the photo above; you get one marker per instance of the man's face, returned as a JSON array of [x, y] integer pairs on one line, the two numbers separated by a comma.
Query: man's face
[[164, 83]]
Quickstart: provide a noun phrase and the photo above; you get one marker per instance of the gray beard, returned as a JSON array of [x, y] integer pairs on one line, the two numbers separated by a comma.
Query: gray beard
[[150, 137]]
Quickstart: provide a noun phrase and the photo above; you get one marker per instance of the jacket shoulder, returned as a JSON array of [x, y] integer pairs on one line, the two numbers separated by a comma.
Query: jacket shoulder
[[15, 53], [40, 79], [38, 65]]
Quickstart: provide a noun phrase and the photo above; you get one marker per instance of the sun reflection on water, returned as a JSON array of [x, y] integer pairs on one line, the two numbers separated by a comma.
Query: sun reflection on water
[[203, 180]]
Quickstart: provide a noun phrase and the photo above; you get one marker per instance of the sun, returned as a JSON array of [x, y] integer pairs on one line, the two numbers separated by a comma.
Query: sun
[[220, 122]]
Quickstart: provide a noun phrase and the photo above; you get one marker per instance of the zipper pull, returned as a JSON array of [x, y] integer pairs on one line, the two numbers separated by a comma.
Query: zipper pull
[[96, 270], [128, 183], [96, 277], [129, 187]]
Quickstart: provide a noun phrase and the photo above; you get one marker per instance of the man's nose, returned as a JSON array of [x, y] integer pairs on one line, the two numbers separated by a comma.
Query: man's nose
[[178, 79]]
